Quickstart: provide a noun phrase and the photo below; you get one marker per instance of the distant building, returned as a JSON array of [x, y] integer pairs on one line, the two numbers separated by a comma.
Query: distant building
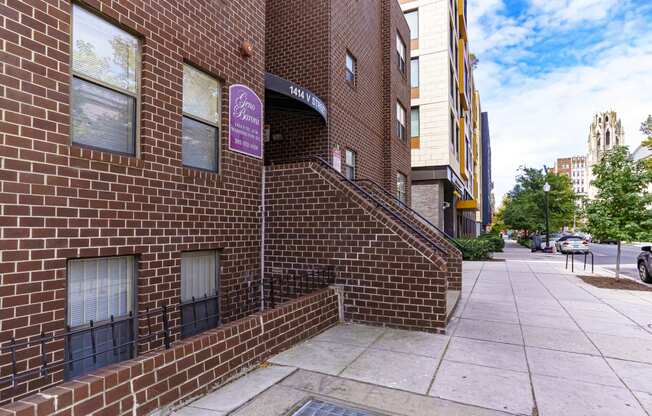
[[605, 132], [487, 183], [575, 168]]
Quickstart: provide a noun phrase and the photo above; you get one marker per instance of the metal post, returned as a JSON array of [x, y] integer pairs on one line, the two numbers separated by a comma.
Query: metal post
[[166, 327], [44, 358], [547, 224]]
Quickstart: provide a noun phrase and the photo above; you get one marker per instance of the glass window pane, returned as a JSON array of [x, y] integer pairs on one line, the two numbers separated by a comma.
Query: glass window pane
[[103, 51], [414, 72], [99, 288], [199, 144], [413, 22], [414, 121], [201, 94], [400, 46], [349, 62], [102, 118]]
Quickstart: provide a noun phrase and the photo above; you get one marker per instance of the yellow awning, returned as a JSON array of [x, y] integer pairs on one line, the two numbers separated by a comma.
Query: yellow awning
[[467, 204]]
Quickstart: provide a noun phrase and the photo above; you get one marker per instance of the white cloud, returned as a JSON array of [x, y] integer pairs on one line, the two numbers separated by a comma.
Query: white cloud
[[536, 117]]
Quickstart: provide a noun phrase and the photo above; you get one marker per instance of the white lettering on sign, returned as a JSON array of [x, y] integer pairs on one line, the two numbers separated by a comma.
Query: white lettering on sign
[[308, 98]]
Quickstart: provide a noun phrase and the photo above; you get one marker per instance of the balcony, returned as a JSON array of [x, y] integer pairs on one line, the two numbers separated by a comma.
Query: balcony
[[462, 74]]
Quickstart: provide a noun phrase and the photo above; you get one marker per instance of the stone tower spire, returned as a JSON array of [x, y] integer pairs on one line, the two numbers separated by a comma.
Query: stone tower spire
[[605, 132]]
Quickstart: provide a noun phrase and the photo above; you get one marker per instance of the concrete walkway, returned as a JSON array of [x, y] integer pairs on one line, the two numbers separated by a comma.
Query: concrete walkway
[[526, 337]]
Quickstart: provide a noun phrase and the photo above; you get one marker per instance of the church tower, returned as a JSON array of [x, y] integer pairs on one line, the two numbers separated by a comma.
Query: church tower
[[606, 131]]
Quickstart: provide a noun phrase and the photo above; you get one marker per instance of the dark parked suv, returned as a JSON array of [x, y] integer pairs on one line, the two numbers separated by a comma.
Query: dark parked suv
[[645, 264]]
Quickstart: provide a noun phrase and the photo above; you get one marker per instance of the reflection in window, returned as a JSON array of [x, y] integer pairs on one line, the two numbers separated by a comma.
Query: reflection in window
[[414, 72], [415, 122], [351, 68], [412, 18], [401, 187], [105, 84], [200, 124]]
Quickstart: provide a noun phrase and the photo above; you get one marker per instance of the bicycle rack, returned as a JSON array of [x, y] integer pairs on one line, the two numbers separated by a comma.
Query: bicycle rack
[[572, 256]]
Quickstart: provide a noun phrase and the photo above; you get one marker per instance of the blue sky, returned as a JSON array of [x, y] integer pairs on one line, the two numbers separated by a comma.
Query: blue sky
[[546, 66]]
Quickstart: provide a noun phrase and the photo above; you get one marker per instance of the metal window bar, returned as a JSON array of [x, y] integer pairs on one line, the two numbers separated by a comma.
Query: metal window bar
[[69, 360]]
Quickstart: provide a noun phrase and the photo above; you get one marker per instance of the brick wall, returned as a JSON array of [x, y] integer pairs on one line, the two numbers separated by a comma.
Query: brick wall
[[390, 277], [190, 368], [361, 117], [452, 255], [297, 49], [61, 202]]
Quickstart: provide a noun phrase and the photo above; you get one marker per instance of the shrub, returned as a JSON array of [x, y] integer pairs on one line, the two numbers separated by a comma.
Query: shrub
[[474, 248], [496, 241], [525, 241]]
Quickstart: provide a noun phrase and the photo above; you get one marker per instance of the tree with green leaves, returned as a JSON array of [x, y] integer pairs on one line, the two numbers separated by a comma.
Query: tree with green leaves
[[620, 209], [525, 207]]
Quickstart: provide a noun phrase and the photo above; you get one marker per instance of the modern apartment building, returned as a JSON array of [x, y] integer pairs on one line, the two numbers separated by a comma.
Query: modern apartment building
[[181, 183], [575, 168], [446, 127]]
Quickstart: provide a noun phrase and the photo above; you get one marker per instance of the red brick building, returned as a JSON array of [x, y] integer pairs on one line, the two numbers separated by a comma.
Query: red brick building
[[134, 229]]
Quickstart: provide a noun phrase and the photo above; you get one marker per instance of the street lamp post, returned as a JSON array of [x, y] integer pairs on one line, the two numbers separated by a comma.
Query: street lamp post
[[546, 189]]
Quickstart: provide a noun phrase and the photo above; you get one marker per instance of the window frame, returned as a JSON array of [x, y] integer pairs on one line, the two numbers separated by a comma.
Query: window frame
[[354, 167], [217, 125], [418, 72], [133, 289], [217, 255], [401, 196], [137, 95], [416, 12], [401, 128], [415, 110], [353, 73], [401, 59]]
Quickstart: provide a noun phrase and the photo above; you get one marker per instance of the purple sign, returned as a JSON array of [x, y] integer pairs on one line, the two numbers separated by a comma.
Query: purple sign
[[245, 121]]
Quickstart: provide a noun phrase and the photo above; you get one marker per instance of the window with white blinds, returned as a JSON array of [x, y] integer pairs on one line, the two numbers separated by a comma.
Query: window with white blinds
[[99, 288], [199, 274]]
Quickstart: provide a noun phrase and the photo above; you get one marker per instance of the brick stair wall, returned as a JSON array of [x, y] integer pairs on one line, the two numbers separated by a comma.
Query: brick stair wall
[[454, 256], [192, 367], [389, 276]]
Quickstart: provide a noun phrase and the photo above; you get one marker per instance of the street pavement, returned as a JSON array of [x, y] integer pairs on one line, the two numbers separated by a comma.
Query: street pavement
[[605, 256], [527, 338]]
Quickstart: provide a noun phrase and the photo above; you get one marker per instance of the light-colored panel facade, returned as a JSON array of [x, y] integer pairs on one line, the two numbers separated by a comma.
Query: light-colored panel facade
[[446, 145]]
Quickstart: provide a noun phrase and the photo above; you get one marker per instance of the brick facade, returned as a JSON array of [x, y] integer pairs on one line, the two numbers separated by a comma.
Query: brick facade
[[389, 276], [361, 117], [191, 368], [61, 202]]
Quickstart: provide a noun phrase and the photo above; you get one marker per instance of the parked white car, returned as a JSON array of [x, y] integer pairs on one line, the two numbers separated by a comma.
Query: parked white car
[[572, 244]]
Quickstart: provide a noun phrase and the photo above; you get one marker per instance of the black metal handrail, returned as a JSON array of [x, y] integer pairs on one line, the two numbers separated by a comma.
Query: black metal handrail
[[379, 203], [443, 233]]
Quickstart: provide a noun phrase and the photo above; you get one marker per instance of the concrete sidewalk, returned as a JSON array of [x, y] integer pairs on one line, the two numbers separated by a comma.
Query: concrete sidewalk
[[527, 337]]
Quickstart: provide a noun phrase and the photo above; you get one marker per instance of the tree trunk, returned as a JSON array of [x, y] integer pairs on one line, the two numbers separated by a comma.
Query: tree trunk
[[618, 261]]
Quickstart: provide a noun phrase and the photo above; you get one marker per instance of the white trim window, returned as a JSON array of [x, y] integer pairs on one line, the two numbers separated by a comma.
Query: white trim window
[[351, 69], [100, 291], [350, 160], [200, 128], [400, 122], [105, 84], [400, 53], [401, 187], [199, 291]]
